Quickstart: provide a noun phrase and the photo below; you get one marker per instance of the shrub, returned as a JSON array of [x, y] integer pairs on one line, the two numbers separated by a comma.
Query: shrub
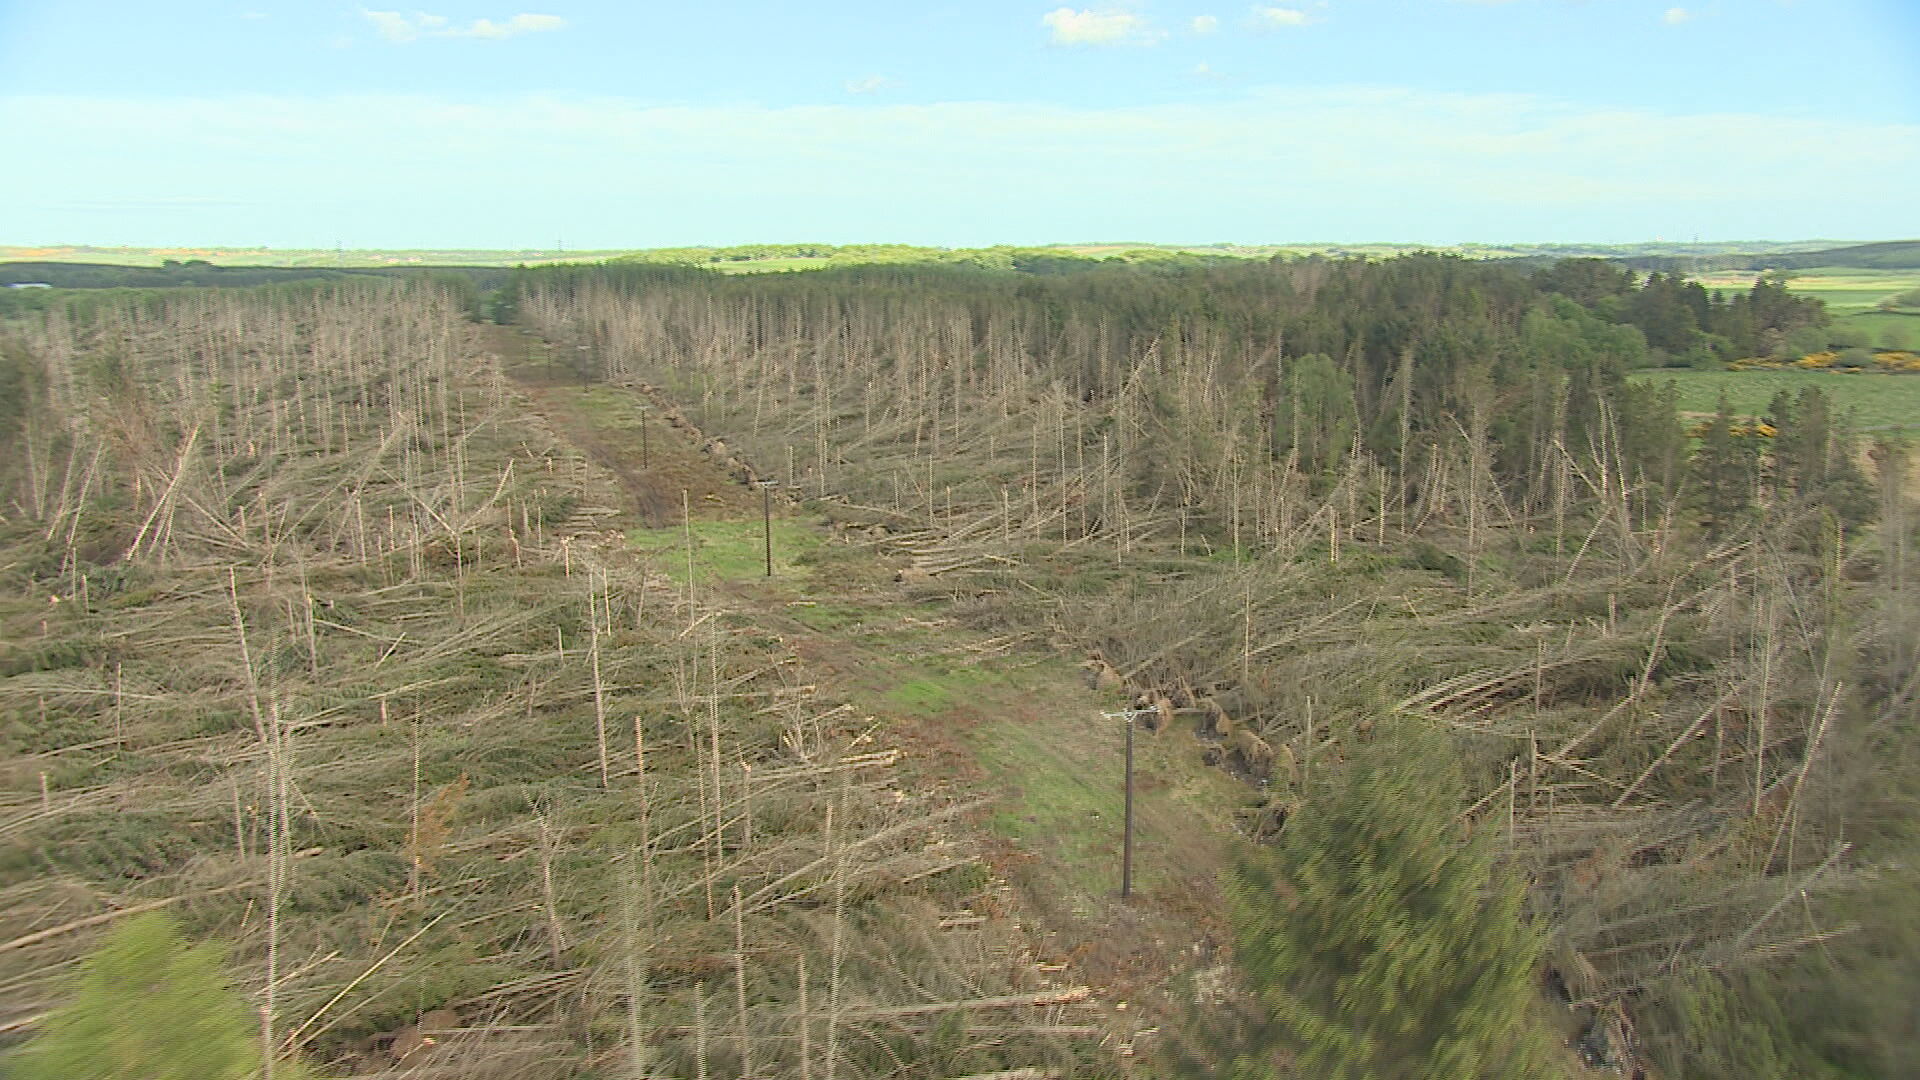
[[150, 1006]]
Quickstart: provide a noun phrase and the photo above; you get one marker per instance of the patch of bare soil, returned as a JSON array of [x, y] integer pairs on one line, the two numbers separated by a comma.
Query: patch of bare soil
[[654, 467]]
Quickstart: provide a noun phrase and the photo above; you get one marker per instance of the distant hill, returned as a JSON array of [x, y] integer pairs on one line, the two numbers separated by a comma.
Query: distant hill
[[1882, 255], [93, 268], [1889, 255]]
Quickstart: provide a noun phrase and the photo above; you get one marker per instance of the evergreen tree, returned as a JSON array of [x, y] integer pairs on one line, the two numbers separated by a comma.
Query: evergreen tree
[[1716, 1028], [1384, 943], [1724, 465], [1318, 419], [1668, 312], [148, 1006], [1813, 466]]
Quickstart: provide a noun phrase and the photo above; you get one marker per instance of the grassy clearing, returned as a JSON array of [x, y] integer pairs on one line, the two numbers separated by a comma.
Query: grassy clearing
[[1060, 792], [1067, 811], [937, 688], [819, 615], [1844, 302], [725, 550], [609, 408], [1878, 402], [1887, 329], [1029, 734]]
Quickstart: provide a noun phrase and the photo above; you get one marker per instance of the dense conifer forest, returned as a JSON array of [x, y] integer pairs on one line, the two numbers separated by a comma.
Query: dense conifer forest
[[1564, 734]]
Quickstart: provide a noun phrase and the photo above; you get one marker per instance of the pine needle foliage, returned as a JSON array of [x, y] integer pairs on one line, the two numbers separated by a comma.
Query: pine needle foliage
[[149, 1005], [1384, 943]]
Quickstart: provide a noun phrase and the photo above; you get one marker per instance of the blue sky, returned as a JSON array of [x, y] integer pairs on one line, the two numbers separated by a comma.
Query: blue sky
[[643, 124]]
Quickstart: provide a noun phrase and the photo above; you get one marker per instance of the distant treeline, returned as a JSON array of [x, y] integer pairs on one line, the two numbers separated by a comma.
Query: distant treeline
[[1662, 255], [1051, 259], [1669, 321], [1382, 349], [480, 288], [1682, 322], [1039, 260], [200, 273]]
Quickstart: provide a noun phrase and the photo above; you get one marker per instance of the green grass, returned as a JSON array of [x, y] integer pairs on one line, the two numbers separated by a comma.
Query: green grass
[[1058, 782], [935, 689], [826, 615], [1070, 812], [1877, 401], [609, 408], [725, 550], [1841, 302], [1885, 329]]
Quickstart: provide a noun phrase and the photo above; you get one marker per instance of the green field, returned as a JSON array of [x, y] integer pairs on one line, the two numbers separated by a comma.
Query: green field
[[1844, 289], [1878, 402], [1887, 329], [1852, 296]]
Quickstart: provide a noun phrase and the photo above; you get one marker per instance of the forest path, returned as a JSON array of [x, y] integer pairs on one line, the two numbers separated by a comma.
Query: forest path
[[1008, 716]]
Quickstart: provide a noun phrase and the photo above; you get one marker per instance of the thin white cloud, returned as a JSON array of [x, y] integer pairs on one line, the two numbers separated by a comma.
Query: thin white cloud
[[1280, 18], [1101, 26], [1351, 162], [394, 26], [401, 28], [1676, 15], [1204, 24], [871, 84], [518, 24]]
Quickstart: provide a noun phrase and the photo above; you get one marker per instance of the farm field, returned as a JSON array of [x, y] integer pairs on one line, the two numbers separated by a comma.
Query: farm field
[[1845, 289], [1886, 329], [1878, 402], [1852, 297]]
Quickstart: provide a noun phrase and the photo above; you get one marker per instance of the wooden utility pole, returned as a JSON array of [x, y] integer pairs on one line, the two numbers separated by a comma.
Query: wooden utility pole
[[766, 520], [1126, 836], [1126, 843]]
